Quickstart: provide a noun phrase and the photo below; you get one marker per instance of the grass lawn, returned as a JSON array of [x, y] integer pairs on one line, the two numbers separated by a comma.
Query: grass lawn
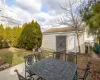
[[13, 56]]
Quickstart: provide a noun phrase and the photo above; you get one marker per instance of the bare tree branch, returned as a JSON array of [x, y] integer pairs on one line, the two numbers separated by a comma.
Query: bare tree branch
[[72, 17]]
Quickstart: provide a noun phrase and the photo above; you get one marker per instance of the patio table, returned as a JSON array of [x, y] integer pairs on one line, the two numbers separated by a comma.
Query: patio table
[[54, 69]]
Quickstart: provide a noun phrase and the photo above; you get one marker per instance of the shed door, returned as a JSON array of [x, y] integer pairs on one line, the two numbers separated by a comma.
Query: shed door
[[61, 44]]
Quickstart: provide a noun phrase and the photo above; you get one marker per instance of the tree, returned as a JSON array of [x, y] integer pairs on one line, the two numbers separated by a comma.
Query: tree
[[0, 42], [1, 31], [91, 16], [16, 31], [72, 18], [3, 43], [8, 34], [31, 36], [38, 35]]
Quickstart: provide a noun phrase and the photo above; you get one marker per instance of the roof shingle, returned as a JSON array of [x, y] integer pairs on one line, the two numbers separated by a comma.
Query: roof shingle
[[62, 29]]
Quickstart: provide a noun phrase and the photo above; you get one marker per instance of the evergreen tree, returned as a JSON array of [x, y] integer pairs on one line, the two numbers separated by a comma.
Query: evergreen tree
[[31, 36], [16, 31], [8, 35], [0, 42], [38, 35], [91, 16], [1, 31]]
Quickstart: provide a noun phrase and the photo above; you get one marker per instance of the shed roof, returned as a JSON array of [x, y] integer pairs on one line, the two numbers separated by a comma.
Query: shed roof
[[62, 29]]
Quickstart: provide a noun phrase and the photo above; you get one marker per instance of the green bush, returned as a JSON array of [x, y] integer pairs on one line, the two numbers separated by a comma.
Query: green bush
[[0, 46], [31, 36], [5, 44], [0, 43], [96, 48]]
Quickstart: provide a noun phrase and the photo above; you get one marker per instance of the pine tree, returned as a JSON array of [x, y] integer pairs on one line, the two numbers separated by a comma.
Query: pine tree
[[91, 16], [8, 34], [1, 31], [16, 31], [0, 42], [31, 36]]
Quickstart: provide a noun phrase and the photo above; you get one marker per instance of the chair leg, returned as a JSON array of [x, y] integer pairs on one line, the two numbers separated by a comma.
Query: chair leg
[[40, 78], [30, 78]]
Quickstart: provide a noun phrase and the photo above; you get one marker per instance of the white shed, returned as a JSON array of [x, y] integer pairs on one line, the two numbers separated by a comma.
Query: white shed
[[62, 39]]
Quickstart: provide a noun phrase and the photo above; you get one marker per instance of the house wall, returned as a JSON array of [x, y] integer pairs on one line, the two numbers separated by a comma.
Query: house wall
[[71, 43], [49, 42], [82, 44], [88, 38]]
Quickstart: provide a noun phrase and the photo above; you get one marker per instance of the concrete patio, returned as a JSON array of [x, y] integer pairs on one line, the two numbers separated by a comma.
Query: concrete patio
[[9, 74]]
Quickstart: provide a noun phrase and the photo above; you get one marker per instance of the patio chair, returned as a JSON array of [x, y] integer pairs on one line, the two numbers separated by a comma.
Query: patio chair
[[86, 72], [57, 55], [20, 77], [38, 56], [29, 60], [72, 57]]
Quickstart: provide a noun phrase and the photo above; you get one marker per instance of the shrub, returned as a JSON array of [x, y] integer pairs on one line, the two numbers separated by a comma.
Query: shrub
[[31, 36], [5, 44], [0, 43]]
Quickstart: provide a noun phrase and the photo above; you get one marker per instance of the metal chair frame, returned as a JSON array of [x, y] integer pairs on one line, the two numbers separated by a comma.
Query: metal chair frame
[[57, 55], [87, 71], [20, 77], [29, 60], [71, 57]]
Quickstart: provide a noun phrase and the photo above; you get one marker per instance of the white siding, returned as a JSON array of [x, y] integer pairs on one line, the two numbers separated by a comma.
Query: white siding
[[71, 43], [82, 44], [49, 42], [88, 38]]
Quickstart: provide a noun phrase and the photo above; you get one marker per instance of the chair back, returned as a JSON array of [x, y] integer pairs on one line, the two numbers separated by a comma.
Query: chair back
[[20, 77], [29, 59], [87, 70], [72, 57], [57, 55], [38, 56]]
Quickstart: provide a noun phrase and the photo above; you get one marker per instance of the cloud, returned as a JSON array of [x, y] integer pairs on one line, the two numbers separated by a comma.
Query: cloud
[[27, 10], [42, 16], [44, 19], [55, 4], [17, 13], [52, 5], [30, 5]]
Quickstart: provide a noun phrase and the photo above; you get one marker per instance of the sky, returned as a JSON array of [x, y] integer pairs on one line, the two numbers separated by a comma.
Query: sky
[[45, 12]]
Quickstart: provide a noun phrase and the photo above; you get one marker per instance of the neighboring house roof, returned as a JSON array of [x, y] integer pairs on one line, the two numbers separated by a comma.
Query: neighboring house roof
[[62, 29]]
